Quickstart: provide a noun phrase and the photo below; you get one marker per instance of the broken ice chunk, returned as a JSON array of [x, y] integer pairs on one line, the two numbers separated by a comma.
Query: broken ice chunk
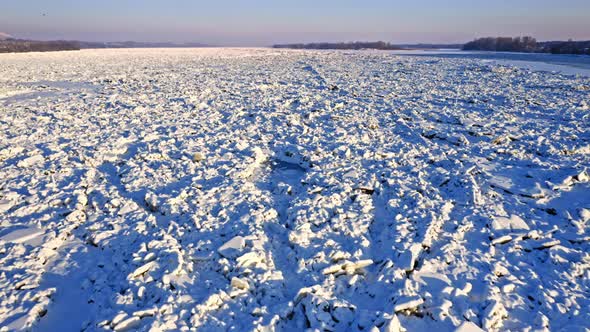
[[339, 255], [145, 313], [76, 216], [541, 244], [151, 200], [5, 205], [8, 201], [118, 318], [584, 214], [493, 315], [433, 280], [249, 260], [508, 288], [81, 200], [240, 283], [233, 247], [113, 154], [198, 157], [149, 257], [500, 270], [30, 161], [127, 208], [360, 264], [141, 292], [514, 223], [142, 269], [348, 267], [332, 269], [583, 176], [10, 152], [502, 240], [23, 235], [128, 324], [407, 260], [393, 325], [468, 327], [408, 303], [353, 174]]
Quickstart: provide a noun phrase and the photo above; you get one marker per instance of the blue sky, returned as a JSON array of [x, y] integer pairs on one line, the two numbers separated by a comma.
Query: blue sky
[[263, 22]]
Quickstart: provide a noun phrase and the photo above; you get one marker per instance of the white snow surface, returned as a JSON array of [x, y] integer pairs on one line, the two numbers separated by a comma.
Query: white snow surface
[[260, 189]]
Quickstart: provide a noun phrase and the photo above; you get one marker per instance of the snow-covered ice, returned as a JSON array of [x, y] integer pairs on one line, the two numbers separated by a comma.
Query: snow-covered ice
[[261, 189]]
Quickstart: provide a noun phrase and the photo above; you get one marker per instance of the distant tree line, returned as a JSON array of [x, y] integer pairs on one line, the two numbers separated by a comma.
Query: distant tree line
[[19, 45], [379, 45], [134, 44], [566, 47], [422, 46], [502, 44], [527, 44]]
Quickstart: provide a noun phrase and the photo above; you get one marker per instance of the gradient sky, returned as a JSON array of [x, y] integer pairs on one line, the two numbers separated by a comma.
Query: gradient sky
[[263, 22]]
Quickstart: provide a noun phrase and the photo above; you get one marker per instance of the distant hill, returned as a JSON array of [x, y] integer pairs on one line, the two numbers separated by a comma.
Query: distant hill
[[4, 36], [380, 45], [20, 45], [11, 45]]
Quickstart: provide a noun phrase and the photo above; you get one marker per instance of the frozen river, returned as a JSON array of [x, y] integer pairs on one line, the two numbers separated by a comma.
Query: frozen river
[[565, 64], [280, 190]]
